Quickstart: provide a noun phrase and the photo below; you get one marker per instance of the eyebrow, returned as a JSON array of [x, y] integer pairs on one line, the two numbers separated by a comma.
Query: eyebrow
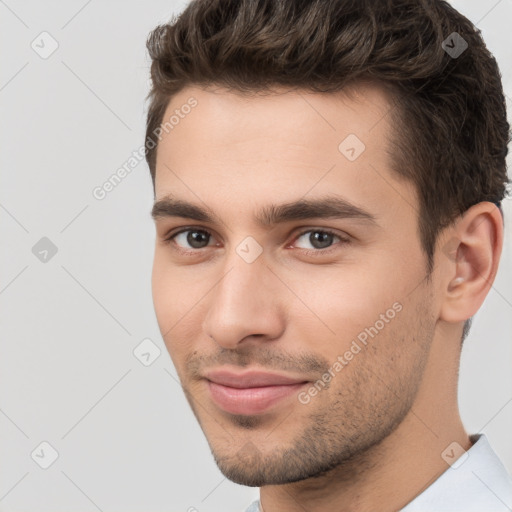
[[330, 207]]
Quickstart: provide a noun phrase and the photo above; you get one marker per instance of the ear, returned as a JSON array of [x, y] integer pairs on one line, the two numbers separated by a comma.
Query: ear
[[470, 261]]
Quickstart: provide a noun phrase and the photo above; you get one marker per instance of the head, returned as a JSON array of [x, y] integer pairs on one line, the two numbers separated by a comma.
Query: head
[[273, 122]]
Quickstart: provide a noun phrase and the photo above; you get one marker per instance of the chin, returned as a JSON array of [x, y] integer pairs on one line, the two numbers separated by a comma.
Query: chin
[[250, 467]]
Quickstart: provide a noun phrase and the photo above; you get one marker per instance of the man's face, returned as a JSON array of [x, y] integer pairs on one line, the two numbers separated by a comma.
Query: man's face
[[302, 341]]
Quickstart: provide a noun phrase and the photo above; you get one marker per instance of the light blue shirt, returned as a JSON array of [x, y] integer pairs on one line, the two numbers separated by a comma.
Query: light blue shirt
[[479, 484]]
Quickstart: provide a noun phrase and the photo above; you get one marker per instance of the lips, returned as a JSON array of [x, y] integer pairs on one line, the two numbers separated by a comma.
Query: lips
[[250, 392], [250, 379]]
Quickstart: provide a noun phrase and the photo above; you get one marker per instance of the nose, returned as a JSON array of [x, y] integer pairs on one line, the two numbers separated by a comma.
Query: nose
[[244, 305]]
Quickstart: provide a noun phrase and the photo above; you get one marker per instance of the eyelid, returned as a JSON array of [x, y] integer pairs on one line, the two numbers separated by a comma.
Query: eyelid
[[174, 232], [344, 239]]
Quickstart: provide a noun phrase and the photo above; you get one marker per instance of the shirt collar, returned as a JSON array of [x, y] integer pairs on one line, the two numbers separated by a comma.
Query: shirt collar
[[476, 481]]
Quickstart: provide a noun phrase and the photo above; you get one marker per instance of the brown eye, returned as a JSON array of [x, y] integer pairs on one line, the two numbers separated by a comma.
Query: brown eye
[[190, 239], [319, 239]]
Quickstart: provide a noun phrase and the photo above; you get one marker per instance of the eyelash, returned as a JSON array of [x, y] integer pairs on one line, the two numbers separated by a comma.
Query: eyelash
[[309, 252]]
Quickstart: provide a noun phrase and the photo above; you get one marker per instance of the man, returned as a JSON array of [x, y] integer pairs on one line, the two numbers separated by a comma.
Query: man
[[328, 178]]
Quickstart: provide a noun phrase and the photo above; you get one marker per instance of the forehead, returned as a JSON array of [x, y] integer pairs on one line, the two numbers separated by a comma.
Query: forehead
[[223, 117], [281, 146]]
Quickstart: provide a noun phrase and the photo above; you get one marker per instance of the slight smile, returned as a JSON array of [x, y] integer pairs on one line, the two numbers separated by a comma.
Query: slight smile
[[251, 392]]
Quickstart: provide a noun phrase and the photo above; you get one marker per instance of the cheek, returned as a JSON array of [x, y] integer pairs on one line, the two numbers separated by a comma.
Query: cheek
[[177, 305], [169, 293], [350, 309], [161, 289], [344, 297]]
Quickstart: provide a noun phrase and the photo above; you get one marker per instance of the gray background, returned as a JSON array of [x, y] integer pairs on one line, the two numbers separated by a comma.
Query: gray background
[[124, 433]]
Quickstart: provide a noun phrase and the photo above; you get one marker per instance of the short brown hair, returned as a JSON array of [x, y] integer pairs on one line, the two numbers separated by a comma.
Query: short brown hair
[[450, 125]]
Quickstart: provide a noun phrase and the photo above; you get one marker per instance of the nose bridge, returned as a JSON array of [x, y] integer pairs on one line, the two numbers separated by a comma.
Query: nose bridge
[[241, 292], [243, 302], [245, 267]]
